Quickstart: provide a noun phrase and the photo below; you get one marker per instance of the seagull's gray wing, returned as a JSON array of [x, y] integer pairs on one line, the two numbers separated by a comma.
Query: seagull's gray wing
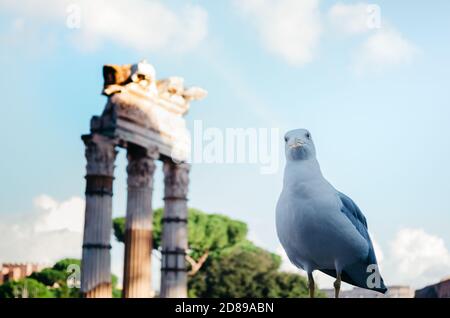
[[356, 274], [354, 214]]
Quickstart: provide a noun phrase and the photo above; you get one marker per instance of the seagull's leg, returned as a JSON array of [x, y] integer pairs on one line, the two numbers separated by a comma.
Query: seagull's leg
[[337, 285], [311, 285]]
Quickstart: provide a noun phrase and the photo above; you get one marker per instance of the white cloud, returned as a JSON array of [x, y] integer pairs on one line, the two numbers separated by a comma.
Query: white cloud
[[67, 215], [20, 33], [418, 258], [52, 232], [378, 251], [142, 25], [350, 19], [288, 28], [386, 47], [415, 258], [291, 29]]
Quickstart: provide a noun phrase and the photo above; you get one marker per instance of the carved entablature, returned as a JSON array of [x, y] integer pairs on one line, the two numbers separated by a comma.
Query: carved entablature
[[172, 90], [140, 79], [144, 110]]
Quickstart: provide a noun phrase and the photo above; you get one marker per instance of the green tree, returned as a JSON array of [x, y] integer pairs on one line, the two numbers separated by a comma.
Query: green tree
[[288, 285], [119, 229], [64, 291], [238, 272], [246, 270], [49, 277], [25, 288], [63, 264], [224, 263], [55, 279], [116, 293], [208, 234]]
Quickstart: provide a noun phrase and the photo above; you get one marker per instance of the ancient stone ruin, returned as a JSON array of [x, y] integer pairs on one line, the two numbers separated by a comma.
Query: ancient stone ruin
[[144, 116]]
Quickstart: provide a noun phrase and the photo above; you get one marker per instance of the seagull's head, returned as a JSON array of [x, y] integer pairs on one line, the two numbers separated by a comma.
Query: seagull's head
[[299, 145]]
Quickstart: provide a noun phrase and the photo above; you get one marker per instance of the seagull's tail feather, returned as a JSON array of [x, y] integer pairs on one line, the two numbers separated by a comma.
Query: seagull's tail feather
[[363, 274], [357, 275]]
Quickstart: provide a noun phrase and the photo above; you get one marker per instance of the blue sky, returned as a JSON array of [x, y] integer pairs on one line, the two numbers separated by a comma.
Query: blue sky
[[375, 100]]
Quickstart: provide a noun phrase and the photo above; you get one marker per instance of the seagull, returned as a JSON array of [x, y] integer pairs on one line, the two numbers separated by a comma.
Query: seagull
[[319, 227]]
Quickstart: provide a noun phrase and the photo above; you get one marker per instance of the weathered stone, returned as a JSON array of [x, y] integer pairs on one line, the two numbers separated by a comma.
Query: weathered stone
[[138, 232], [145, 116], [175, 235], [96, 260]]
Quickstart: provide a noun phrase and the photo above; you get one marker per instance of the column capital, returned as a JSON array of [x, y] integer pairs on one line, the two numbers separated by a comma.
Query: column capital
[[100, 154], [176, 180], [141, 166]]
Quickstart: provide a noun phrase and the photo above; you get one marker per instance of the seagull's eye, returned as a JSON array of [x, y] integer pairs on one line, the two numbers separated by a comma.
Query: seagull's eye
[[286, 139], [308, 135]]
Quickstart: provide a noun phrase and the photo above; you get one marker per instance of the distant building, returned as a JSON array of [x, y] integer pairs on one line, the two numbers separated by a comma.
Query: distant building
[[400, 292], [439, 290], [16, 271], [356, 292]]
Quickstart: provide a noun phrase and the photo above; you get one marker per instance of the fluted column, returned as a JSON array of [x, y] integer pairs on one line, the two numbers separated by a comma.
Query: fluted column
[[138, 233], [96, 260], [175, 234]]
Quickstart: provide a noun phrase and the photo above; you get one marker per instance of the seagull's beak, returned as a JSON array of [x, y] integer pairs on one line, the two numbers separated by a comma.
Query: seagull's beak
[[297, 144]]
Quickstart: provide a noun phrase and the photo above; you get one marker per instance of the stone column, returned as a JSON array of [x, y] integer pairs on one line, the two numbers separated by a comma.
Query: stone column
[[96, 260], [175, 235], [138, 232]]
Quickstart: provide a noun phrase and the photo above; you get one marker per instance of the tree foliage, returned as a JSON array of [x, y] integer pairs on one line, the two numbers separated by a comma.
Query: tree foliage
[[238, 272], [49, 282], [25, 288], [234, 266], [50, 277], [229, 266], [63, 264], [119, 229], [206, 232], [287, 285], [246, 270]]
